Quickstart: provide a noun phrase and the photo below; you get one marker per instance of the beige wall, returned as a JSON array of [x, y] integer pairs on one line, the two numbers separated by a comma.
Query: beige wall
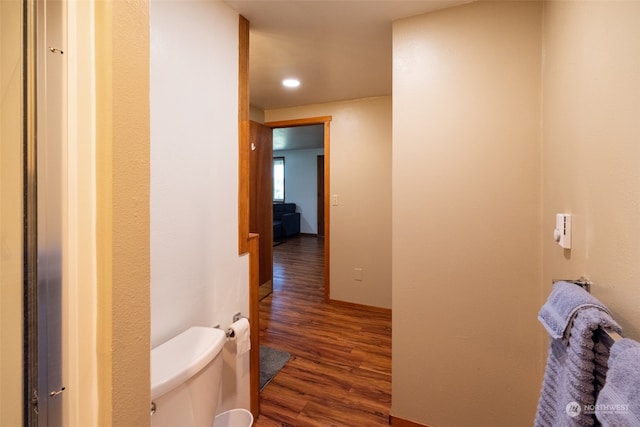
[[122, 128], [467, 348], [10, 213], [592, 149], [360, 157]]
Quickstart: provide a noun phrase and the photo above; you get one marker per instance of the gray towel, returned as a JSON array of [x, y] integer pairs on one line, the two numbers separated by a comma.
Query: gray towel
[[618, 403], [575, 372], [562, 305]]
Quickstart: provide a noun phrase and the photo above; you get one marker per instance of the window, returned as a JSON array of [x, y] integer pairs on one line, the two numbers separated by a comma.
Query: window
[[278, 179]]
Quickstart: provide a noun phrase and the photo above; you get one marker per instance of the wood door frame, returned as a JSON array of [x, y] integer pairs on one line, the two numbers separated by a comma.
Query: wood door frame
[[320, 194], [326, 121], [248, 242]]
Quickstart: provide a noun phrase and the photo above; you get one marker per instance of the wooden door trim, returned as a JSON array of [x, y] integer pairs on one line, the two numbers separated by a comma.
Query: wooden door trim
[[247, 242], [326, 121], [327, 234], [244, 149], [254, 317], [299, 122], [320, 195]]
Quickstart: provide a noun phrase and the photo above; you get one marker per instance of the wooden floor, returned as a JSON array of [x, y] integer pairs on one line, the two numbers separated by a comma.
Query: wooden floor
[[340, 370]]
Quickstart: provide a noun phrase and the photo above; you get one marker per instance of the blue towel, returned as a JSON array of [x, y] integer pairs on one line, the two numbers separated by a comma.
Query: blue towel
[[577, 362], [574, 374], [561, 307], [618, 403]]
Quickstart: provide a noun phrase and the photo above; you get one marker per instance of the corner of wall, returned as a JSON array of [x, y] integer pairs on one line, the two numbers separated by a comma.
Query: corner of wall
[[256, 114]]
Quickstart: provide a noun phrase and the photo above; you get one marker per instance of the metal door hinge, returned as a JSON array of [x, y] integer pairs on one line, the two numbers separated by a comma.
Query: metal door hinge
[[34, 401]]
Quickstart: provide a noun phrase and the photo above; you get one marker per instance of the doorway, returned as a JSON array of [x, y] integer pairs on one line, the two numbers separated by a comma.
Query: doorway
[[254, 301], [298, 147], [325, 121], [263, 144], [297, 152]]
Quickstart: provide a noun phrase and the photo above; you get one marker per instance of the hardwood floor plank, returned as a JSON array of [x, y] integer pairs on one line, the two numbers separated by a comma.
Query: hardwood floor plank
[[332, 413], [340, 370], [281, 403]]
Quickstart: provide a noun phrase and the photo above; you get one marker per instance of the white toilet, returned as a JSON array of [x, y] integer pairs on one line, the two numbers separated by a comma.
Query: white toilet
[[186, 374]]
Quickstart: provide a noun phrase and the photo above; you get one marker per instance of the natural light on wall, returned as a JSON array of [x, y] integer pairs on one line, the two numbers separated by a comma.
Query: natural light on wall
[[278, 179]]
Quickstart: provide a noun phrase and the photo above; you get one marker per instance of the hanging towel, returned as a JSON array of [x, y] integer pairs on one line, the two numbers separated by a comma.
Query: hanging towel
[[618, 403], [562, 305], [576, 364]]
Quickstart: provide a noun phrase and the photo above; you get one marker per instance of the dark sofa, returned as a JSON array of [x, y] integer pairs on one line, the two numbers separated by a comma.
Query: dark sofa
[[286, 221]]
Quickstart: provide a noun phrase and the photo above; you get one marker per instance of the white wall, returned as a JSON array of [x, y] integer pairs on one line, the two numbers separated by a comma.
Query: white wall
[[592, 149], [467, 347], [360, 226], [301, 185], [197, 277]]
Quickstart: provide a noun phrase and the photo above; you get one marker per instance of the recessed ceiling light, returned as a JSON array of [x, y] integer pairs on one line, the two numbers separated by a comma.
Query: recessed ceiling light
[[291, 83]]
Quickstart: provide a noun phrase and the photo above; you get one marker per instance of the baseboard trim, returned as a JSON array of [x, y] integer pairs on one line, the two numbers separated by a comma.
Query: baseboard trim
[[401, 422], [360, 306]]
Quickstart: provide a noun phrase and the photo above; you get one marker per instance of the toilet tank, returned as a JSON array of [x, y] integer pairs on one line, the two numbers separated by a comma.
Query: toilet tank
[[186, 373]]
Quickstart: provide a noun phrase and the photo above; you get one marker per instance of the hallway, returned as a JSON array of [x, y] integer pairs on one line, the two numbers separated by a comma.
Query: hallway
[[339, 373]]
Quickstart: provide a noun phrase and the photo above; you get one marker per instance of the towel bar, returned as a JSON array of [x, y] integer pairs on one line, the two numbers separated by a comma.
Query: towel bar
[[584, 283], [611, 336]]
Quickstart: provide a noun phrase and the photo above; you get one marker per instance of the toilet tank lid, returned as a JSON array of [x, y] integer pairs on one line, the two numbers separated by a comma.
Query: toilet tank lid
[[178, 359]]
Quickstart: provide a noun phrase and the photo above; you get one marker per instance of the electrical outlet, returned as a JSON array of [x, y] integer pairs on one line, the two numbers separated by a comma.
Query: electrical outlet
[[334, 200], [357, 274]]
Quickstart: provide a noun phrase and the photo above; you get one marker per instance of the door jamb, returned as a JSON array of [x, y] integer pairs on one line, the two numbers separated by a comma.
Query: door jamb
[[326, 121]]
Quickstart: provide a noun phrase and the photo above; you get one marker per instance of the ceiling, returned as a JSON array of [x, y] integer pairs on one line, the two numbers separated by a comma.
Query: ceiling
[[298, 138], [338, 49]]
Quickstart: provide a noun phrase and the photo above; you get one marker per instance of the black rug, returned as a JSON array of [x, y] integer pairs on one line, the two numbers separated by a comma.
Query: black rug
[[271, 361], [278, 242]]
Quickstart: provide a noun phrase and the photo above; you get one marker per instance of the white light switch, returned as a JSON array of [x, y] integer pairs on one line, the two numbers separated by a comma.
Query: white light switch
[[562, 232], [334, 200], [357, 274]]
